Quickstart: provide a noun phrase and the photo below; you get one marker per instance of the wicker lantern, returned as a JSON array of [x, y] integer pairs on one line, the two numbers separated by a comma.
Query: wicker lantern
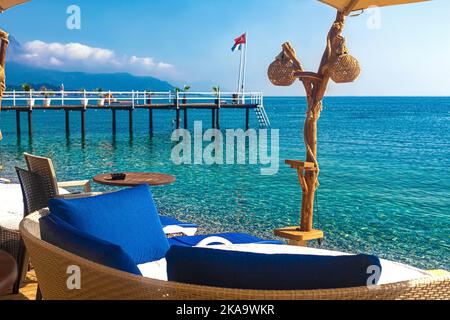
[[281, 71], [345, 69]]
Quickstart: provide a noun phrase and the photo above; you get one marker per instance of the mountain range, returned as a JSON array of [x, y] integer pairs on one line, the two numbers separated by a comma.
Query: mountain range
[[18, 73]]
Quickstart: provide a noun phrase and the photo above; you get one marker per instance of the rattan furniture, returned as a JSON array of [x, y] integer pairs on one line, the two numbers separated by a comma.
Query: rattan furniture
[[44, 167], [10, 240], [102, 283], [8, 271]]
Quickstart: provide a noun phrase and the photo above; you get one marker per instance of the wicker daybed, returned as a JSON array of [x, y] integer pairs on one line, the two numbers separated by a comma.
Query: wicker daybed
[[103, 283]]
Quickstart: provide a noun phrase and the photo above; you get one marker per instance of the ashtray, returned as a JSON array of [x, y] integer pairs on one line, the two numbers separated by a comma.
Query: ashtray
[[118, 176]]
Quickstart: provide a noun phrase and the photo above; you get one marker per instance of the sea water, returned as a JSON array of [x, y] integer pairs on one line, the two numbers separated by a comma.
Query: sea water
[[384, 179]]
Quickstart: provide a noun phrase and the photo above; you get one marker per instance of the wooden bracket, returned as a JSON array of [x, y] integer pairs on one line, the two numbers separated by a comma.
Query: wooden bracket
[[296, 237], [301, 167], [308, 76], [289, 51]]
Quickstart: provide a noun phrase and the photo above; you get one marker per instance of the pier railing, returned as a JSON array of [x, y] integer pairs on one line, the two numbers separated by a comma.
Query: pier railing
[[117, 101], [131, 98]]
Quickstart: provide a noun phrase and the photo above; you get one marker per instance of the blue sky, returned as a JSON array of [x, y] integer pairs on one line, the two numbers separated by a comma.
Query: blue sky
[[189, 41]]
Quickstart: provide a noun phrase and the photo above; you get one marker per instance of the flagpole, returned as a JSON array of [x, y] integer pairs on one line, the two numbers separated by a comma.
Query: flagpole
[[244, 68], [240, 74]]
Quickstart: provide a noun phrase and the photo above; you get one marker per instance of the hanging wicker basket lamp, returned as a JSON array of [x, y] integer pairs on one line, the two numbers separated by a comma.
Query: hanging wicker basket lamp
[[281, 71]]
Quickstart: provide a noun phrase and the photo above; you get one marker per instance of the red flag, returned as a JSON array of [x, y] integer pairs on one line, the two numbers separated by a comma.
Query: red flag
[[238, 42], [241, 40]]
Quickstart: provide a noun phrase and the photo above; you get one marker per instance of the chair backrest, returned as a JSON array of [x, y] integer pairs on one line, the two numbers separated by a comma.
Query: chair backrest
[[34, 196], [44, 167]]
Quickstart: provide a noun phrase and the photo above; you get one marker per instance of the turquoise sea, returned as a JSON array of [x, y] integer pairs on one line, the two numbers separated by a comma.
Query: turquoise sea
[[385, 171]]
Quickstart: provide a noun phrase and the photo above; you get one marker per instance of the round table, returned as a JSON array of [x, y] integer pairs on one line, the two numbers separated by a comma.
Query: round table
[[8, 271], [134, 179]]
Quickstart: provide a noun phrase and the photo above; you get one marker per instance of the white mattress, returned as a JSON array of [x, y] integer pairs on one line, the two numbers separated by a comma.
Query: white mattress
[[392, 272], [11, 210], [11, 205]]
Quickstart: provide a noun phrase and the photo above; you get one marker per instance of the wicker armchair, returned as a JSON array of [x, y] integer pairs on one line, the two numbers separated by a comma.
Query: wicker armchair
[[103, 283], [33, 200], [44, 167]]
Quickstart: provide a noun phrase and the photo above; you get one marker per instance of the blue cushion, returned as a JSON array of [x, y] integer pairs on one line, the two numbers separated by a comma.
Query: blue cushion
[[235, 238], [169, 221], [62, 235], [242, 270], [128, 218]]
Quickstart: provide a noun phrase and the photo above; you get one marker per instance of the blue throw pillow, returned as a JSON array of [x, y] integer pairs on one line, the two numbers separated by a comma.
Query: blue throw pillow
[[62, 235], [252, 271], [128, 218]]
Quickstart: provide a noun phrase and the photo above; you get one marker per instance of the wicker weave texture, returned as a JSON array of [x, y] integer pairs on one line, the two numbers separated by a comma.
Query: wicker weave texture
[[34, 197], [281, 72], [9, 241], [44, 168], [345, 69], [102, 283]]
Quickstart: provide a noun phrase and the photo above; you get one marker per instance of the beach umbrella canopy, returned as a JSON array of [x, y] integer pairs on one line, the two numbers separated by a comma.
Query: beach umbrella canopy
[[353, 5], [6, 4]]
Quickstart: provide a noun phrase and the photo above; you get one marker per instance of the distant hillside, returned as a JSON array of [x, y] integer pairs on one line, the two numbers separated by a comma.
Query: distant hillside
[[17, 74]]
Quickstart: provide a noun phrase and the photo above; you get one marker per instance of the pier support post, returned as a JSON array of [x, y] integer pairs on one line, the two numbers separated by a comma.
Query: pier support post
[[218, 118], [18, 123], [114, 123], [67, 114], [178, 119], [130, 118], [30, 123], [213, 118], [150, 120], [247, 119], [83, 123], [185, 118]]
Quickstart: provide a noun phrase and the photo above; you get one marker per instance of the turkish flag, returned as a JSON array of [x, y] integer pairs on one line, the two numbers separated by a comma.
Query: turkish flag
[[241, 40]]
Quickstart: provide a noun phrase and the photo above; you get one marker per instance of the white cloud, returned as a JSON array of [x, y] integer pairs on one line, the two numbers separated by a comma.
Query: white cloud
[[80, 57]]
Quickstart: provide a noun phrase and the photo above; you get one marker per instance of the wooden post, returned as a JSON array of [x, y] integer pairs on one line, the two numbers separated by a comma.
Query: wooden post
[[114, 122], [83, 123], [67, 114], [185, 118], [247, 118], [18, 123], [177, 106], [130, 112], [150, 120], [218, 118], [177, 119], [315, 94], [213, 118], [30, 122], [315, 85]]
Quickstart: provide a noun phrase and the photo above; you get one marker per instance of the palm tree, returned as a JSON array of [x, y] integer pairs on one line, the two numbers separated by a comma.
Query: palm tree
[[216, 91], [26, 87], [186, 88]]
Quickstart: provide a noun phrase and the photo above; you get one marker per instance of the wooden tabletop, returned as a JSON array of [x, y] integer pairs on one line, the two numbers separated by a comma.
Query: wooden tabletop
[[8, 271], [134, 179]]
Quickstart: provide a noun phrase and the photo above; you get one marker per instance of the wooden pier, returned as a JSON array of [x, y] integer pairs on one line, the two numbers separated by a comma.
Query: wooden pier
[[82, 102]]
